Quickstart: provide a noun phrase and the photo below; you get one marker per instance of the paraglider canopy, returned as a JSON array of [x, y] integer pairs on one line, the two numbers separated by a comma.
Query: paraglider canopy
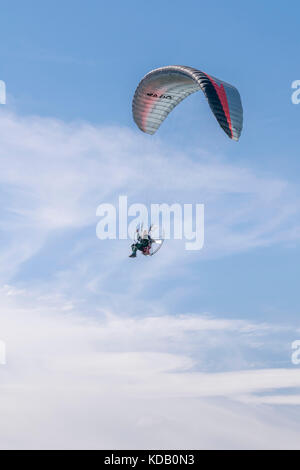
[[164, 88]]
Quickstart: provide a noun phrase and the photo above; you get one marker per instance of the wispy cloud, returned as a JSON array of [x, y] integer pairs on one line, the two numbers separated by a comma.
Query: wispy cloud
[[54, 175], [108, 373], [83, 346]]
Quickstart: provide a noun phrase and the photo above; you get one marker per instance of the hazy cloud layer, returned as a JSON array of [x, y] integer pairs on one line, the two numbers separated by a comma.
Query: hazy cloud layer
[[90, 362], [119, 382]]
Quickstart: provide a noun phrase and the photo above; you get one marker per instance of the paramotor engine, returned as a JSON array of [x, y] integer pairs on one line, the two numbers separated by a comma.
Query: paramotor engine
[[157, 240]]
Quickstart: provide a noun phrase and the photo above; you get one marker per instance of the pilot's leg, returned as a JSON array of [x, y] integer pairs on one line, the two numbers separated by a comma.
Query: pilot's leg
[[134, 250]]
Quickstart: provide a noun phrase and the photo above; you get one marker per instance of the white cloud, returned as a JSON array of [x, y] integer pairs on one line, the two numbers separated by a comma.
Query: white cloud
[[110, 381], [54, 175], [90, 366]]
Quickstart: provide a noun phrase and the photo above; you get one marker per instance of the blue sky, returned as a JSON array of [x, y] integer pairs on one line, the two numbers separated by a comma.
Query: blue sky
[[186, 325]]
